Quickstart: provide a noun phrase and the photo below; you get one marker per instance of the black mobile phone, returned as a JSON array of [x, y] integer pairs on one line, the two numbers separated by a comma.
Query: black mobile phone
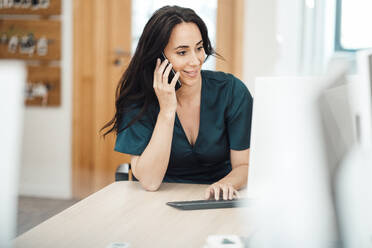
[[172, 73]]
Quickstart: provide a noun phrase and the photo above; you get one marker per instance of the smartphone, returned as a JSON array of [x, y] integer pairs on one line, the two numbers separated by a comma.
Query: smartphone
[[172, 73]]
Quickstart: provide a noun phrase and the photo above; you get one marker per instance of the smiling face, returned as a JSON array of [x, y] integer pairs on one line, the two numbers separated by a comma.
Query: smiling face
[[186, 53]]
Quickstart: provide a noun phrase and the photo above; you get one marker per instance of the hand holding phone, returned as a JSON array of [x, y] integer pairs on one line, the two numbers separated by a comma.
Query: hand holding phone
[[172, 73]]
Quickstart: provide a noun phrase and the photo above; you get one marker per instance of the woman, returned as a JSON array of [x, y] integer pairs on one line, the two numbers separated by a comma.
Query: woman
[[197, 134]]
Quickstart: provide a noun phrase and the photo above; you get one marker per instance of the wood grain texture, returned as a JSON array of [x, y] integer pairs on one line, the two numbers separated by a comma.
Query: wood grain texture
[[230, 28], [120, 40], [124, 212], [46, 75], [53, 9], [100, 28], [238, 38], [83, 103]]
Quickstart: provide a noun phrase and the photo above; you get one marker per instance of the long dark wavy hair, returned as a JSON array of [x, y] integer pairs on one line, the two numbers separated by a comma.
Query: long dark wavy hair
[[135, 88]]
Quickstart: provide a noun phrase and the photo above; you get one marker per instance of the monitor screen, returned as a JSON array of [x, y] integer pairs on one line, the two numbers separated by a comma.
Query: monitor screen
[[364, 74], [370, 72], [353, 183], [288, 165], [12, 81]]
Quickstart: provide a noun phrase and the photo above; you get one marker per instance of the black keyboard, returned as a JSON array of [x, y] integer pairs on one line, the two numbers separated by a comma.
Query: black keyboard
[[209, 204]]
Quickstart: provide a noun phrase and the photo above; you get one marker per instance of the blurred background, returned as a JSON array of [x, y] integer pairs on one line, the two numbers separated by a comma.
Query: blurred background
[[75, 51]]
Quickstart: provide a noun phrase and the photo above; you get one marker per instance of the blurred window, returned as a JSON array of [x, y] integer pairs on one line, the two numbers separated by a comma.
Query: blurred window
[[143, 9], [353, 25]]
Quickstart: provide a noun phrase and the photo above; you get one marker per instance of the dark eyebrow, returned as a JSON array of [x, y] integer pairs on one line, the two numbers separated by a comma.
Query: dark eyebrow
[[201, 41]]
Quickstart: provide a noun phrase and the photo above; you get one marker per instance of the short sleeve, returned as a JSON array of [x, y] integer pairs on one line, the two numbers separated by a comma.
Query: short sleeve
[[134, 139], [239, 116]]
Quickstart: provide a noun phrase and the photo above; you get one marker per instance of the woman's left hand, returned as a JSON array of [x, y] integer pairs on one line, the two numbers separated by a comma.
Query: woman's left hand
[[226, 190]]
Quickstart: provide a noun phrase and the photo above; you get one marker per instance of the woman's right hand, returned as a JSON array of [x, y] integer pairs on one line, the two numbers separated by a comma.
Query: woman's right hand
[[164, 91]]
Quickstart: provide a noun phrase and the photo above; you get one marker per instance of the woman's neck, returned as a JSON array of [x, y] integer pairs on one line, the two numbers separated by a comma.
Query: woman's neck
[[189, 95]]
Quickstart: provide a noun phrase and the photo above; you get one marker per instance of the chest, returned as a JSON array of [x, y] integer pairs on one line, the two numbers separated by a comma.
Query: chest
[[199, 137], [190, 121]]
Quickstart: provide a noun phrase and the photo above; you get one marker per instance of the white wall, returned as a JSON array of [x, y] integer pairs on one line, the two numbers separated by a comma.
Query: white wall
[[47, 139], [260, 46], [287, 38]]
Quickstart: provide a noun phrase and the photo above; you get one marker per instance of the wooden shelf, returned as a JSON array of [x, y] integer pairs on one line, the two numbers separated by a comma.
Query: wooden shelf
[[53, 9], [42, 79], [45, 75], [50, 29]]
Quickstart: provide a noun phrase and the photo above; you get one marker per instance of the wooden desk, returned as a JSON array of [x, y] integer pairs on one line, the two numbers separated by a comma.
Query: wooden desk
[[124, 212]]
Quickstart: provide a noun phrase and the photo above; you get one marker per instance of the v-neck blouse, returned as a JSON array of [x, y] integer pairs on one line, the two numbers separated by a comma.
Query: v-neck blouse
[[225, 123]]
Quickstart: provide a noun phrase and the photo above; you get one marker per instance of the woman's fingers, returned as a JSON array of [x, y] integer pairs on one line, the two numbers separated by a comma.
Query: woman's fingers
[[231, 192], [208, 193], [165, 94], [174, 80], [166, 74], [161, 74], [237, 194], [162, 66], [156, 79], [216, 190], [159, 71], [226, 191]]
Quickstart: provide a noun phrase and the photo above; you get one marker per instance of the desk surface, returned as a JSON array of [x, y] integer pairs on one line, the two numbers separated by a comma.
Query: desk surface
[[124, 212]]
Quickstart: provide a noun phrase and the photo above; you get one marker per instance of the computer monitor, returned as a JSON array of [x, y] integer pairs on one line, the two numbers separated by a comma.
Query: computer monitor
[[12, 81], [353, 184], [340, 125], [311, 179], [364, 72], [340, 114], [288, 173]]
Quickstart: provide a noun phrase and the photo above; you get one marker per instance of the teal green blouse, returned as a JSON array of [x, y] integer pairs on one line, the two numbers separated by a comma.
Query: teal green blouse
[[225, 123]]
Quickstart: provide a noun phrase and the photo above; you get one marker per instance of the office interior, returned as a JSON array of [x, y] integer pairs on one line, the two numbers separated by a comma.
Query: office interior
[[63, 156]]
